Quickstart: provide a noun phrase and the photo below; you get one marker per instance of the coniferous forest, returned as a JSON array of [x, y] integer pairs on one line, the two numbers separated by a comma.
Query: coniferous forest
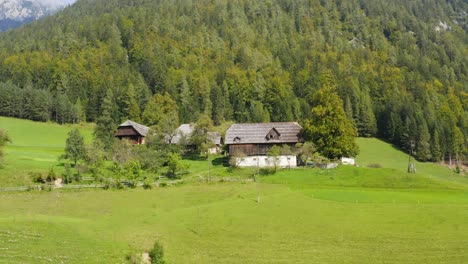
[[399, 68]]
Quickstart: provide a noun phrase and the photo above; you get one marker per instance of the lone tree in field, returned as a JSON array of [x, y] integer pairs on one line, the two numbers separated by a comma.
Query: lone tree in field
[[75, 147], [331, 131], [4, 138]]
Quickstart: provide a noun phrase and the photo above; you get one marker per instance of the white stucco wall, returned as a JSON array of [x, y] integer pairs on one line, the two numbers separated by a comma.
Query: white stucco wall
[[214, 150], [348, 161], [289, 161]]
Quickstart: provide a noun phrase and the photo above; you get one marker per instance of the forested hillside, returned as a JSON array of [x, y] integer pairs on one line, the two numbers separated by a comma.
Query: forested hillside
[[400, 67]]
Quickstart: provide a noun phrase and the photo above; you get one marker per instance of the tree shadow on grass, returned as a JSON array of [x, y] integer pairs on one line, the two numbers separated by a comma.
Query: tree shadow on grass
[[194, 157], [220, 161]]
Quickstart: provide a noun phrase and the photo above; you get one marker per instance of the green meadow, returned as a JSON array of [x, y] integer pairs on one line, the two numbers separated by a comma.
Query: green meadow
[[35, 147], [304, 215]]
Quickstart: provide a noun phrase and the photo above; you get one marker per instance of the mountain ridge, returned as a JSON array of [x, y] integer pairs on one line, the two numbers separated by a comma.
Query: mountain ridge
[[14, 13]]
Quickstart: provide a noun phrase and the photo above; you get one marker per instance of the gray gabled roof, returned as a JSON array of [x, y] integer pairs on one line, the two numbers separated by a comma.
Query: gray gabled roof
[[183, 131], [215, 137], [256, 133], [186, 130], [141, 129]]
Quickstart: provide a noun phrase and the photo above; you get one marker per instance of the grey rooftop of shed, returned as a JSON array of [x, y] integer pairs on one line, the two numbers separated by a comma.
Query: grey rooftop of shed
[[141, 129]]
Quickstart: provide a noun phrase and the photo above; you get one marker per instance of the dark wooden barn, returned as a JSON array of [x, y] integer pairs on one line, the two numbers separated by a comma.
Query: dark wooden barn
[[132, 131], [257, 138]]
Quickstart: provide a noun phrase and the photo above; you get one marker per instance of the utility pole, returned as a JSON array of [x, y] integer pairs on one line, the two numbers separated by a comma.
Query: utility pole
[[209, 171], [257, 178]]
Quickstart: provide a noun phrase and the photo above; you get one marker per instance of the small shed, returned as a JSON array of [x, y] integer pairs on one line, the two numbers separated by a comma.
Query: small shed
[[132, 131], [217, 140]]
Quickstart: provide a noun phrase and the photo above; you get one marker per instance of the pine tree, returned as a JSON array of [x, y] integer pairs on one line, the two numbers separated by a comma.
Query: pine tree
[[348, 107], [132, 109], [105, 125], [80, 111], [436, 151], [366, 124], [423, 146]]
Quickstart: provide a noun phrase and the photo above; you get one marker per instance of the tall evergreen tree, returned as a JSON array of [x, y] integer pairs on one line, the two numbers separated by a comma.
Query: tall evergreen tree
[[436, 151], [366, 123], [423, 143], [106, 125], [132, 109]]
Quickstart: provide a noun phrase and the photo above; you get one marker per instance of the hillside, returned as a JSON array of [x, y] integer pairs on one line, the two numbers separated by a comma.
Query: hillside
[[35, 147], [400, 67], [374, 151]]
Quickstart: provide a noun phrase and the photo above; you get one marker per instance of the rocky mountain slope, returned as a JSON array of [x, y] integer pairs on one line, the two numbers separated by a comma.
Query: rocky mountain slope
[[14, 13]]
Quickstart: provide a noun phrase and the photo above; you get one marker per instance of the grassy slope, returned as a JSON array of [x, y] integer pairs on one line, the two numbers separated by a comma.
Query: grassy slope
[[348, 215], [35, 147], [375, 151]]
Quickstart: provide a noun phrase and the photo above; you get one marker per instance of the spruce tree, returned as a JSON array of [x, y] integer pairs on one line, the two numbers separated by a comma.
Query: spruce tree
[[423, 146], [436, 151], [81, 115], [366, 124], [105, 125], [131, 108]]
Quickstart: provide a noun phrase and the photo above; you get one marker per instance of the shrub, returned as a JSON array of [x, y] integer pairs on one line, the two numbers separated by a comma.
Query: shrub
[[77, 176], [131, 184], [147, 185], [133, 170], [175, 167], [118, 185], [106, 186], [374, 165], [51, 176], [67, 174], [163, 184], [157, 253], [133, 258], [37, 177], [267, 171], [236, 158]]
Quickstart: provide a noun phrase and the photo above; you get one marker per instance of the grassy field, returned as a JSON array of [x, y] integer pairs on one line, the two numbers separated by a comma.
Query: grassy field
[[223, 223], [35, 146], [345, 215]]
